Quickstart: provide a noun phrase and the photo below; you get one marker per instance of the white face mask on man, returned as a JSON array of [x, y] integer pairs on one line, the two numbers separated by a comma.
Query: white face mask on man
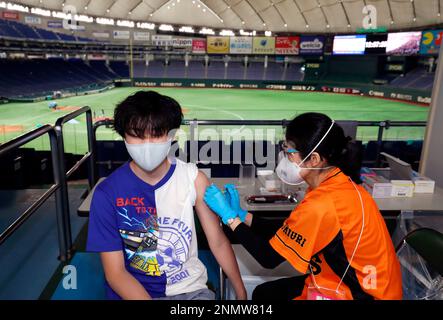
[[289, 172], [149, 155]]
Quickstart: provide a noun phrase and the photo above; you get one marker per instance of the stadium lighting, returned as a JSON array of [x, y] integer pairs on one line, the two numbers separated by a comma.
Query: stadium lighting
[[2, 4], [245, 33], [145, 25], [61, 15], [268, 33], [207, 31], [125, 23], [41, 12], [105, 21], [16, 7], [166, 27], [83, 18], [186, 29], [229, 33]]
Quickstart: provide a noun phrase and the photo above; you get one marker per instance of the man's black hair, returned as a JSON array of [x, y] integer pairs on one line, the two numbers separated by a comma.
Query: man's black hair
[[147, 113]]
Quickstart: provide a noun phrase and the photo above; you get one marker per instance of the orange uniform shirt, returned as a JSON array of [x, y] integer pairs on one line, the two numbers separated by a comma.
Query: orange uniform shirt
[[323, 231]]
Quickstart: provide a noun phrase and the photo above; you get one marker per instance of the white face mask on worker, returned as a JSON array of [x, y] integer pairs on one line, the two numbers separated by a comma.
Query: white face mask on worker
[[148, 155], [289, 172]]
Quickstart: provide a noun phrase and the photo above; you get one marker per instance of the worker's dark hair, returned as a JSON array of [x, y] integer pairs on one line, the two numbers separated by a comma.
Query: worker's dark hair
[[307, 129], [147, 113]]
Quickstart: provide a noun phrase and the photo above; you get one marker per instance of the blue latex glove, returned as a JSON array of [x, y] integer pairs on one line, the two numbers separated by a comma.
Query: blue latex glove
[[234, 200], [218, 203]]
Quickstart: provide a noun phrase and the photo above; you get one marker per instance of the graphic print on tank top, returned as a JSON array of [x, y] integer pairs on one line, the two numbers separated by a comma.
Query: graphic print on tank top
[[156, 245], [174, 245], [141, 241]]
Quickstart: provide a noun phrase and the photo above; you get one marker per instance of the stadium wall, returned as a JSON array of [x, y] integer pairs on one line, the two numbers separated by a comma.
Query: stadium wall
[[383, 92]]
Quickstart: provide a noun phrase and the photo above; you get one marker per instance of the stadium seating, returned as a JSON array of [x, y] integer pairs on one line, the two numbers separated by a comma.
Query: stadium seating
[[294, 73], [196, 70], [104, 70], [156, 69], [47, 35], [7, 30], [25, 30], [216, 70], [15, 29], [140, 69], [236, 71], [37, 77], [418, 78], [120, 68], [66, 37], [274, 71], [175, 69], [255, 71]]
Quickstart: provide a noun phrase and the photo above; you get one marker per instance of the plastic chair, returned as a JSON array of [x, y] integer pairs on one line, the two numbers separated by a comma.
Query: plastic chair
[[419, 254]]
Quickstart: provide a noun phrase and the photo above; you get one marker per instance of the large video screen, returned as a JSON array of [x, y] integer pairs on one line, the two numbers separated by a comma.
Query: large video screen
[[403, 43], [376, 43], [353, 44]]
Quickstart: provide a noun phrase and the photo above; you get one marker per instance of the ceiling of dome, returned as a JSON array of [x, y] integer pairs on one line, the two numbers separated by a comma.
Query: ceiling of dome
[[298, 16]]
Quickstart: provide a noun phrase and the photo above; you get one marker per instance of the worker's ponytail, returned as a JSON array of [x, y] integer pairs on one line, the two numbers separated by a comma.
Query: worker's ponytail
[[306, 130], [350, 161]]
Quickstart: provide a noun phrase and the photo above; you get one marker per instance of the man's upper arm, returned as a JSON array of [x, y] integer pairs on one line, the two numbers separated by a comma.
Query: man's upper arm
[[208, 219], [103, 233]]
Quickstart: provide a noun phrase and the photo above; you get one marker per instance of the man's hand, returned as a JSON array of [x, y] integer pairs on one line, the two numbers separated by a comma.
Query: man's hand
[[218, 203]]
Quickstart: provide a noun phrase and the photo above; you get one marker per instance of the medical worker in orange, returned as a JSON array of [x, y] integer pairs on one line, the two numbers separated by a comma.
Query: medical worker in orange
[[335, 238]]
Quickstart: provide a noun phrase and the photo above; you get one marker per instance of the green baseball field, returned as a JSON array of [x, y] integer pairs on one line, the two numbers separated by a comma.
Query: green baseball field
[[17, 118]]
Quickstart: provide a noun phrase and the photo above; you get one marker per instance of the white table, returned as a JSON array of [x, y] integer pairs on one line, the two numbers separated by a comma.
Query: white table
[[419, 202], [430, 202]]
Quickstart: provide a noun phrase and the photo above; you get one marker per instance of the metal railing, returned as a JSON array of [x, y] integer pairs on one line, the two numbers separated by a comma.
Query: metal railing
[[63, 175], [193, 124], [60, 186]]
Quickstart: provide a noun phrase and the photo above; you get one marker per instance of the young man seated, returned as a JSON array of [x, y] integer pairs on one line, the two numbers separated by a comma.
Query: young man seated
[[142, 217]]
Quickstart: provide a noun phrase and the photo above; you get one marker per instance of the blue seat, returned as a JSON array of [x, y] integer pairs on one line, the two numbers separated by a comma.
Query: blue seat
[[86, 267]]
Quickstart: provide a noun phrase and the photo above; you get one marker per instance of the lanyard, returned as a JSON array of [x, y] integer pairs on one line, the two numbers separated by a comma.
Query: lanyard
[[356, 246]]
